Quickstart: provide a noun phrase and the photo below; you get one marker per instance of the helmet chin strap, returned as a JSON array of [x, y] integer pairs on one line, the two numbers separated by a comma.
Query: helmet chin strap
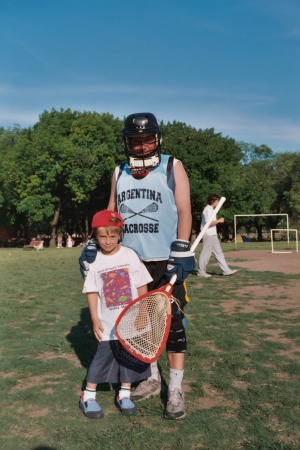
[[139, 168]]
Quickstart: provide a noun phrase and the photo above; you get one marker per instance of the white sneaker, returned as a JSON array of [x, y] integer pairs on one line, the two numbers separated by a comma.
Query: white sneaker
[[204, 275], [175, 406], [146, 389], [229, 273]]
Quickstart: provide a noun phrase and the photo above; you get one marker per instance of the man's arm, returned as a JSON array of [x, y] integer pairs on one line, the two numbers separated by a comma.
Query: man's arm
[[112, 204], [181, 260], [183, 202]]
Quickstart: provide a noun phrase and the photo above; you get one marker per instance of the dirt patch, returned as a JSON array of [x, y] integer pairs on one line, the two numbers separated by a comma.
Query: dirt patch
[[38, 381], [263, 260], [213, 398], [48, 356]]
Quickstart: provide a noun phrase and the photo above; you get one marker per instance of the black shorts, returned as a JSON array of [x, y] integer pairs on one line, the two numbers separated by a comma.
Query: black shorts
[[176, 342]]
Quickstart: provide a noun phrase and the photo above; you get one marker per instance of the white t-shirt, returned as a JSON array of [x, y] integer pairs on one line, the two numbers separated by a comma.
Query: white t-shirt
[[116, 279], [206, 214]]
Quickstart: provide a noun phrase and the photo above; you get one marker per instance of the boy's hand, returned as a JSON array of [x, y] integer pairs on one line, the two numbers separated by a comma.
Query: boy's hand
[[88, 256], [98, 329]]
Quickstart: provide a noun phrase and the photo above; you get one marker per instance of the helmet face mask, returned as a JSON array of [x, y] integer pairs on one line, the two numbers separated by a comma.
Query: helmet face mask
[[142, 143]]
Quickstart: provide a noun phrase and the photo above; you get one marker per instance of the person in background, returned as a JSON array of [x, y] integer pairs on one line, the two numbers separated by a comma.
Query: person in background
[[210, 243], [69, 241], [59, 241]]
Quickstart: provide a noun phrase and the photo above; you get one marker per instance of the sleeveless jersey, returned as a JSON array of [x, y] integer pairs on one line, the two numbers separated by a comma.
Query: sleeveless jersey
[[149, 211]]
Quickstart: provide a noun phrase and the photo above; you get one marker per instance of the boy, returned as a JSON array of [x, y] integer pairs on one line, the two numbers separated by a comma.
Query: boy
[[116, 277], [211, 244]]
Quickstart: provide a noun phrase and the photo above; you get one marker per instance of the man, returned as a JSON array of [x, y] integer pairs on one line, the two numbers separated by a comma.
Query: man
[[151, 192]]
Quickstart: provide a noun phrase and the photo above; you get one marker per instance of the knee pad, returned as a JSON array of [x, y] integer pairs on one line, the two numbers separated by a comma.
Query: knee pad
[[176, 342]]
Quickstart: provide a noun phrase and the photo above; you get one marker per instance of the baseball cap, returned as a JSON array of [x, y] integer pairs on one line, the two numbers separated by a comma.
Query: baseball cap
[[107, 218]]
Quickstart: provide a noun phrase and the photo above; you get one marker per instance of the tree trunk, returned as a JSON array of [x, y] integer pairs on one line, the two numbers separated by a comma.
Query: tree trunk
[[53, 224], [86, 228]]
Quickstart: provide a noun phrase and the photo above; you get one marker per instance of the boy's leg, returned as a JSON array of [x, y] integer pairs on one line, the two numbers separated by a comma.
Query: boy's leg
[[127, 407], [219, 255], [88, 404]]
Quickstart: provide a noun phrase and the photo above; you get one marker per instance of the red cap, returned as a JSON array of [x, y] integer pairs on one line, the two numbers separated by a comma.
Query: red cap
[[107, 218]]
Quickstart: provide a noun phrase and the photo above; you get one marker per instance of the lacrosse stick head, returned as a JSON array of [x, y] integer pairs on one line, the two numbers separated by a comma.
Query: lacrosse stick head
[[143, 326]]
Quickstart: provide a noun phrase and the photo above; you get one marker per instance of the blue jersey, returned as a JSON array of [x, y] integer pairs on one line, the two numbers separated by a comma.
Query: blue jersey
[[149, 211]]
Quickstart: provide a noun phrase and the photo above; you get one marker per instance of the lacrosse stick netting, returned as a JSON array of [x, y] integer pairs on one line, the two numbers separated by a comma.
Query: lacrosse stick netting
[[143, 326]]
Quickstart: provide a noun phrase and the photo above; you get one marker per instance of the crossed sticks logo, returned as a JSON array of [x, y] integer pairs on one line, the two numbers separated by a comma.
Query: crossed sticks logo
[[153, 207]]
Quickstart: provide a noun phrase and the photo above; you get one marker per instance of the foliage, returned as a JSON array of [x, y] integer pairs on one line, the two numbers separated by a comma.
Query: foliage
[[59, 166], [56, 174]]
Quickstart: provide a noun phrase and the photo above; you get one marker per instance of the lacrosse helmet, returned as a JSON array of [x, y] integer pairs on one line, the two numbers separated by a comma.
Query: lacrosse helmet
[[142, 125]]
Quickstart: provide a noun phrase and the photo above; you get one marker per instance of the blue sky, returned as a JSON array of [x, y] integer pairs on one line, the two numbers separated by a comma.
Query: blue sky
[[231, 65]]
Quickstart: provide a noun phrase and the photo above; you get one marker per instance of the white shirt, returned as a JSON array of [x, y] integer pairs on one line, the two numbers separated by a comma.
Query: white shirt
[[206, 214], [115, 278]]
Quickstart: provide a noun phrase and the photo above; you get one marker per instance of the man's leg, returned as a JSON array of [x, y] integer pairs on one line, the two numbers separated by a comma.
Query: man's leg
[[175, 405]]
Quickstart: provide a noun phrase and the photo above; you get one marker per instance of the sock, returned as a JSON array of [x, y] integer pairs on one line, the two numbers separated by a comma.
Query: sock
[[124, 392], [176, 377], [88, 393], [155, 375]]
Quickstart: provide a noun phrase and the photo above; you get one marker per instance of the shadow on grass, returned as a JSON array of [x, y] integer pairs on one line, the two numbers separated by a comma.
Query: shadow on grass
[[82, 340]]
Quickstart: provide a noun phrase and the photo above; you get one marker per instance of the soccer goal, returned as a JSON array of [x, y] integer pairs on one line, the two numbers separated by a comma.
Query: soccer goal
[[288, 231], [260, 215]]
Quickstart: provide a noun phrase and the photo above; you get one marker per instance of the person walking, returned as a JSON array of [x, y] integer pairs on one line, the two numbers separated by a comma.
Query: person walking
[[210, 243]]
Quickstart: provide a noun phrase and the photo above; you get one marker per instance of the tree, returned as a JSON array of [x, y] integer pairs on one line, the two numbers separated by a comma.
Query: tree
[[77, 152], [212, 163], [286, 179]]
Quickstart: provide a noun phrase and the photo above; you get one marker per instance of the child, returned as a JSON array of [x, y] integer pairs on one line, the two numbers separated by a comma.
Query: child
[[69, 241], [114, 279]]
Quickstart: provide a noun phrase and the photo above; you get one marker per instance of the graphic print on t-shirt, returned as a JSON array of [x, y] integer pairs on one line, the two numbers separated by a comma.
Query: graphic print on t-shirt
[[116, 287]]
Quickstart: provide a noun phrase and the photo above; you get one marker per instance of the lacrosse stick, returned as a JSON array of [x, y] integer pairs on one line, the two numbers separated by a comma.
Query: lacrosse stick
[[143, 326]]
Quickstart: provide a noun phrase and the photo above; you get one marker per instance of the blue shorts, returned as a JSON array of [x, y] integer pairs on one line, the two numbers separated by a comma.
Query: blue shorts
[[112, 363], [176, 342]]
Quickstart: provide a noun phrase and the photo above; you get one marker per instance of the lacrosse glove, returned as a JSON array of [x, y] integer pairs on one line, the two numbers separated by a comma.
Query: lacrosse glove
[[181, 260], [88, 256]]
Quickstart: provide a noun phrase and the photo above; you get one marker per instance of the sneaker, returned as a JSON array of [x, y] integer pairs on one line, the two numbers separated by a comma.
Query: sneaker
[[204, 275], [146, 389], [229, 273], [126, 406], [175, 406], [91, 409]]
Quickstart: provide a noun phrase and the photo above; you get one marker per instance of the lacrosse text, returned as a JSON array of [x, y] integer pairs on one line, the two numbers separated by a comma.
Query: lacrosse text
[[141, 228]]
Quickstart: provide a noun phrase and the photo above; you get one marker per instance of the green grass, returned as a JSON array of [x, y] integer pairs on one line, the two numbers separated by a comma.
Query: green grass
[[242, 386]]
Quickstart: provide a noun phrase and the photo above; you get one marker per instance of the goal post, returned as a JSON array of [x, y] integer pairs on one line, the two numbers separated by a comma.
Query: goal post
[[260, 215], [288, 231]]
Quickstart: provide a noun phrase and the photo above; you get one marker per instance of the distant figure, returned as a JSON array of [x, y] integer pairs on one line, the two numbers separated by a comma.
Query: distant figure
[[59, 241], [69, 242], [211, 244]]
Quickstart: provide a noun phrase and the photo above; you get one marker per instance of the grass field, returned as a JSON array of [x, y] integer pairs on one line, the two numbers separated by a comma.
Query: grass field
[[242, 376]]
